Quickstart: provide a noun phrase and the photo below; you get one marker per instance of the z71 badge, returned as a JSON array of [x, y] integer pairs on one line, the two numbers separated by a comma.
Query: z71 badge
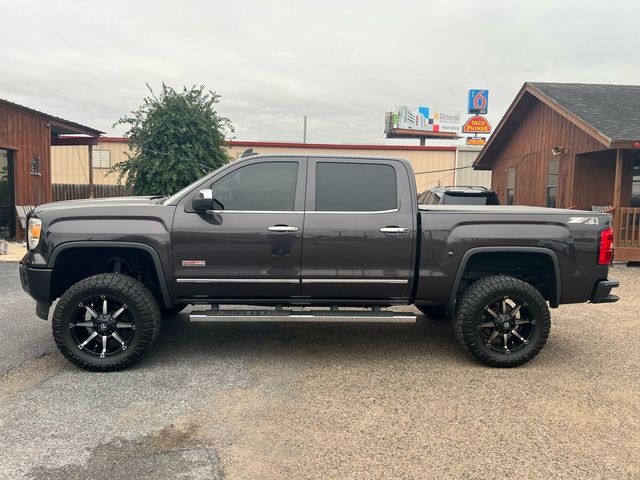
[[585, 220]]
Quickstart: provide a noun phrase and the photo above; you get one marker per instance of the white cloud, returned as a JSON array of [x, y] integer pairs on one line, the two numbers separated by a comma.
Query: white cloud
[[341, 63]]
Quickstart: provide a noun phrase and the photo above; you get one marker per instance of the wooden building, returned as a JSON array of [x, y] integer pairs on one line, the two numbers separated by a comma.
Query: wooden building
[[26, 137], [572, 146]]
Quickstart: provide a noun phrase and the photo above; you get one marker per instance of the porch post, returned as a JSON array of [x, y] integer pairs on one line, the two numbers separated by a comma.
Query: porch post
[[617, 193], [92, 192]]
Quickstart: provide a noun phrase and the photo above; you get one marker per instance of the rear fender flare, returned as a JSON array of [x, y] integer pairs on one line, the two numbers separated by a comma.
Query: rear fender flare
[[451, 304]]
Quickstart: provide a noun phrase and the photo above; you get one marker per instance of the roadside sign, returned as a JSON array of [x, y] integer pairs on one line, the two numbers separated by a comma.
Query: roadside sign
[[478, 102], [426, 119], [477, 124], [476, 140]]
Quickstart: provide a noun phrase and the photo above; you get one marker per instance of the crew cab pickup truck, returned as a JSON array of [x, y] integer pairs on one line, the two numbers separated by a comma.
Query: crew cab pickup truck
[[299, 238]]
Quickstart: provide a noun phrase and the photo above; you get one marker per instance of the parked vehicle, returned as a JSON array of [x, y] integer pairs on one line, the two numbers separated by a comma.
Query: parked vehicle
[[459, 195], [295, 232]]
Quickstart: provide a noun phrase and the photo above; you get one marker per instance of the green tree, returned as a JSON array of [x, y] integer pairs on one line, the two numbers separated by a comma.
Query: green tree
[[174, 139]]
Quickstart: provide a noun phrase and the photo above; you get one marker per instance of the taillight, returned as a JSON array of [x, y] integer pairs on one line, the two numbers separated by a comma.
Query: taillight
[[605, 246]]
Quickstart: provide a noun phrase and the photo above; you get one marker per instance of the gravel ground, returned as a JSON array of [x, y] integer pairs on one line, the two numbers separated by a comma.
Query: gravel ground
[[325, 401]]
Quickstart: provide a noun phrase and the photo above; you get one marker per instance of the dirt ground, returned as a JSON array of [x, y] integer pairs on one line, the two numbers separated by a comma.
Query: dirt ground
[[326, 401]]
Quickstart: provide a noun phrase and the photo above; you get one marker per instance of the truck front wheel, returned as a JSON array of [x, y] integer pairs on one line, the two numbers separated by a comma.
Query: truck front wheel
[[502, 321], [106, 322]]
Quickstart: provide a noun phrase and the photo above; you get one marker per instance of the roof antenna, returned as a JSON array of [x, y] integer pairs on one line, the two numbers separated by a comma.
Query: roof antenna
[[248, 152]]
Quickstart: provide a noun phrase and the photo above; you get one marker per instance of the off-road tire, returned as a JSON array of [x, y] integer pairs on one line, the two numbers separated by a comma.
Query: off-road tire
[[470, 310], [437, 313], [141, 305]]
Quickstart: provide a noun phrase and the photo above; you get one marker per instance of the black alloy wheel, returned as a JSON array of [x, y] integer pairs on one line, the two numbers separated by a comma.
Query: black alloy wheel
[[106, 322], [102, 325], [502, 321]]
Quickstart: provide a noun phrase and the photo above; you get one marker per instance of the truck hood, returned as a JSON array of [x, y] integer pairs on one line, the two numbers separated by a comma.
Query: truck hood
[[97, 202]]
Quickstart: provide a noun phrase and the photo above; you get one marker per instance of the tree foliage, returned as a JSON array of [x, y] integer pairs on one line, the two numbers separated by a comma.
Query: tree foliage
[[174, 139]]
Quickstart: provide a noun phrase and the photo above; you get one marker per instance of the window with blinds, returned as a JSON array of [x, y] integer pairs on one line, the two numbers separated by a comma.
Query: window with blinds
[[101, 159]]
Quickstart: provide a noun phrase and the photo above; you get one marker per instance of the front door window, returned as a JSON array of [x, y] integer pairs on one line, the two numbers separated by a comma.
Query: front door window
[[268, 186]]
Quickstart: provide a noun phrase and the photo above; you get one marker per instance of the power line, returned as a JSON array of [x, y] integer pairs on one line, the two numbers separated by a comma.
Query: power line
[[523, 157], [443, 170]]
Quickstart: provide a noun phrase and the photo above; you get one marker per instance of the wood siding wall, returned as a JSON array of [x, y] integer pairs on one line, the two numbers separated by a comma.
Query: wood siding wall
[[28, 135], [528, 149]]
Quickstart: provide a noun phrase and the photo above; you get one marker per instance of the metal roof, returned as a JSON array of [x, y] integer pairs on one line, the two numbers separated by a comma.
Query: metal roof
[[59, 126]]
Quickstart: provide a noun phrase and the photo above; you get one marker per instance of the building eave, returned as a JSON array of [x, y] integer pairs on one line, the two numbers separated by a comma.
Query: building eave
[[67, 125]]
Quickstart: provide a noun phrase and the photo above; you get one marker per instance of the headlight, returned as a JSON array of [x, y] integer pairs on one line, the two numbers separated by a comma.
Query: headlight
[[33, 232]]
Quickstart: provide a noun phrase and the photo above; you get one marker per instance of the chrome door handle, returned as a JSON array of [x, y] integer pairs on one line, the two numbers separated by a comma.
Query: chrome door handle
[[394, 230], [282, 228]]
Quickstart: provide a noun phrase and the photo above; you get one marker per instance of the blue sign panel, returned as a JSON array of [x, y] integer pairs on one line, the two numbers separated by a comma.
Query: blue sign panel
[[478, 102]]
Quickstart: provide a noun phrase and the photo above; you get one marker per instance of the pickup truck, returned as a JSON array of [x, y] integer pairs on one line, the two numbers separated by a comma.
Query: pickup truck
[[308, 238]]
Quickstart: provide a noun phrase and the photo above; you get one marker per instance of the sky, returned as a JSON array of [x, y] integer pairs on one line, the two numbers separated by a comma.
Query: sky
[[343, 64]]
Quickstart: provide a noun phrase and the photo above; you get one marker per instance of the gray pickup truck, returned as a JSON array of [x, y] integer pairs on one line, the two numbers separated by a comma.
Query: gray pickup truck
[[303, 238]]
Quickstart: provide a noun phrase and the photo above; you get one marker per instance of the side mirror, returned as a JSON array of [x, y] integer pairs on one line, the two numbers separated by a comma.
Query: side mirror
[[204, 201]]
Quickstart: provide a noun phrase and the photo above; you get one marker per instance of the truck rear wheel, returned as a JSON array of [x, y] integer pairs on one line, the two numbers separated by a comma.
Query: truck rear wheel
[[106, 322], [502, 321]]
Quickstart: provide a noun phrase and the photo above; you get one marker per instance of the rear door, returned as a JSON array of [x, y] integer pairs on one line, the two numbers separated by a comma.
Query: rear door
[[359, 233]]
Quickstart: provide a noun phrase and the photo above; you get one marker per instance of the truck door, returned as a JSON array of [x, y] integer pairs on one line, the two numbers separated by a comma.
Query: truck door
[[250, 245], [359, 232]]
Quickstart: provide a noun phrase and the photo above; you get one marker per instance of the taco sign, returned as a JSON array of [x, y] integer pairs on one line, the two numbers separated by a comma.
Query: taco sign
[[477, 124]]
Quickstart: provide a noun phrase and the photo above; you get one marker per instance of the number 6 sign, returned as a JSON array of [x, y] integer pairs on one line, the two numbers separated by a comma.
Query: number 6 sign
[[478, 102]]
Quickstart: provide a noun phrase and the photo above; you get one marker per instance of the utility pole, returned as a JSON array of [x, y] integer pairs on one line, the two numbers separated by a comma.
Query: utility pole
[[304, 131]]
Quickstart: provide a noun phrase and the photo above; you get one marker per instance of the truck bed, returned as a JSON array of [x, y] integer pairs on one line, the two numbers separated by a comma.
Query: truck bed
[[563, 240]]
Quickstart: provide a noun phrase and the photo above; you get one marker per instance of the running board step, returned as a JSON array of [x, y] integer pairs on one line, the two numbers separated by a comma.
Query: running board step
[[381, 316]]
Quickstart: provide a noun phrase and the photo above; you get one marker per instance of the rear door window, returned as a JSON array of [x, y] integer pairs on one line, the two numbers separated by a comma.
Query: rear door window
[[355, 187]]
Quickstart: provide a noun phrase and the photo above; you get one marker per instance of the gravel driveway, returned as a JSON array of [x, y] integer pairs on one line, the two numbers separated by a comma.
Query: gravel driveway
[[325, 401]]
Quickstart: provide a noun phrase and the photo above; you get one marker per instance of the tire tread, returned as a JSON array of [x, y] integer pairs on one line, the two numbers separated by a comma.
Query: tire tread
[[146, 305], [475, 297]]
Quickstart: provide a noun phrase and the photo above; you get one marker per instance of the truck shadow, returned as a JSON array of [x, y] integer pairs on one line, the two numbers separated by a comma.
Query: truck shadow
[[427, 338]]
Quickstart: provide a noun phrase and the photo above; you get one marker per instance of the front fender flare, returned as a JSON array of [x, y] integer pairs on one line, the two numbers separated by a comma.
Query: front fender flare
[[115, 244]]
